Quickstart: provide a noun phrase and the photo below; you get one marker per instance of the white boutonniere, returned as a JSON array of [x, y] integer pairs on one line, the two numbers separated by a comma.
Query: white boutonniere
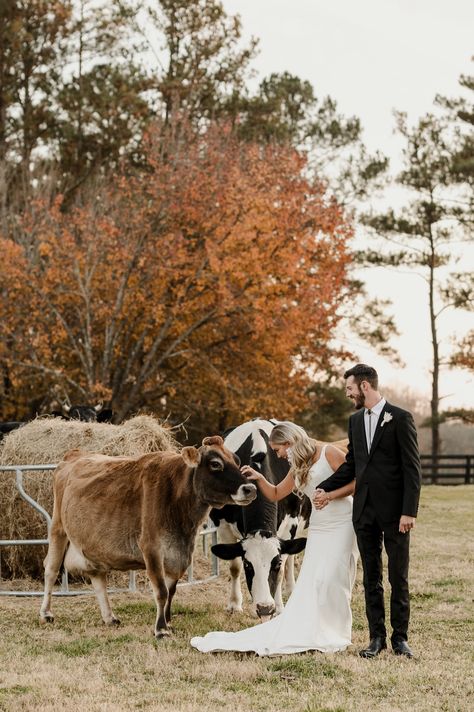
[[387, 417]]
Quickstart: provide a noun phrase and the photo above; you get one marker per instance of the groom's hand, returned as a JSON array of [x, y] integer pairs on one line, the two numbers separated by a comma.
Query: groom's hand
[[406, 523]]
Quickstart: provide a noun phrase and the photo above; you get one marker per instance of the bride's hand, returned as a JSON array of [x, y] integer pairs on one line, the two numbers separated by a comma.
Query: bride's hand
[[250, 473], [320, 498]]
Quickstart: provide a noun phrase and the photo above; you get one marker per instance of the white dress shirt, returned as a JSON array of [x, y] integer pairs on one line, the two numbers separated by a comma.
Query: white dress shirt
[[374, 418]]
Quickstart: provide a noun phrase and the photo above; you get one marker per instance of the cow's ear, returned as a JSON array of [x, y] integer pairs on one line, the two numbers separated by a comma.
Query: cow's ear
[[213, 440], [191, 456], [259, 457], [292, 546], [227, 551]]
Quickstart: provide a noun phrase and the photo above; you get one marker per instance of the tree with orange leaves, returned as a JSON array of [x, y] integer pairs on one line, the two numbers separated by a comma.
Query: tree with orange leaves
[[203, 287]]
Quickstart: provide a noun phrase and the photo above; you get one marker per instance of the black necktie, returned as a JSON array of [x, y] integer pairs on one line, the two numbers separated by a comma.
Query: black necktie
[[369, 413]]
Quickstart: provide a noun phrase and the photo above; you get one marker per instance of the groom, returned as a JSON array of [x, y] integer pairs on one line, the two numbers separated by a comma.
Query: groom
[[383, 458]]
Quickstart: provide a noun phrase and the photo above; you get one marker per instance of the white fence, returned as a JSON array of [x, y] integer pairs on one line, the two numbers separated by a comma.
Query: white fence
[[64, 590]]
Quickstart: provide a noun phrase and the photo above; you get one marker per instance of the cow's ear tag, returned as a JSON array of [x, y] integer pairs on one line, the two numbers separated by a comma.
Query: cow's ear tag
[[191, 456]]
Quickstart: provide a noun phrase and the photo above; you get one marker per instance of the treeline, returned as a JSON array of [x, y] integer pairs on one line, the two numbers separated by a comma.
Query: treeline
[[165, 243], [171, 241], [81, 80]]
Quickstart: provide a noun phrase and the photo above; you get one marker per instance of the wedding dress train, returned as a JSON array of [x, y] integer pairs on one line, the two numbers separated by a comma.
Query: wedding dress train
[[318, 614]]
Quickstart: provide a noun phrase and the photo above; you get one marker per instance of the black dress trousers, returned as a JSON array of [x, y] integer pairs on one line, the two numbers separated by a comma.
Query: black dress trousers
[[371, 536]]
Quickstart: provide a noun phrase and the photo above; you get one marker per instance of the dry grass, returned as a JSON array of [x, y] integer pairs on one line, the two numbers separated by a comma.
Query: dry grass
[[44, 441], [79, 663]]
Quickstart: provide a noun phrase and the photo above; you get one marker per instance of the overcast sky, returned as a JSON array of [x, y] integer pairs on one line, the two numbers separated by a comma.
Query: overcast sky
[[374, 56]]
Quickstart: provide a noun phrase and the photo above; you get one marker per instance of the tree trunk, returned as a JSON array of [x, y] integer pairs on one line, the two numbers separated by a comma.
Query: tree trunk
[[435, 435]]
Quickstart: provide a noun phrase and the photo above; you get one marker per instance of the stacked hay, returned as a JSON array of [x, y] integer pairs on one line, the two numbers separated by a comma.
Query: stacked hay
[[45, 441]]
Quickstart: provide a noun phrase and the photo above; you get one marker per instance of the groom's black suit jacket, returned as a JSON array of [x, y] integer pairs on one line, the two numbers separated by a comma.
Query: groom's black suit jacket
[[390, 472]]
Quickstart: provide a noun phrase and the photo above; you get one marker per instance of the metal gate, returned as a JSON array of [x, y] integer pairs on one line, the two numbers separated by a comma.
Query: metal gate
[[64, 590]]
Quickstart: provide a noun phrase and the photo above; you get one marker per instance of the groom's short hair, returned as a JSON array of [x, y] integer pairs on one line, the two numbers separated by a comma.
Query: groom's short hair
[[362, 372]]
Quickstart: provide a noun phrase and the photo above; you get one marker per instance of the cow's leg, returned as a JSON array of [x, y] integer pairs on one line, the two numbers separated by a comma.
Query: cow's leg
[[301, 531], [171, 591], [287, 530], [156, 575], [235, 599], [289, 566], [52, 564], [160, 593], [99, 584], [227, 535], [278, 598]]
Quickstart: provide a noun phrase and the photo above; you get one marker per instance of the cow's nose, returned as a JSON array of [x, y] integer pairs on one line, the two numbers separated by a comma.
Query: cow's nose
[[248, 490], [265, 610]]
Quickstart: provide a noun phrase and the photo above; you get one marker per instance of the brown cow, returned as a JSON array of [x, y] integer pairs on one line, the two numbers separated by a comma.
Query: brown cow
[[123, 513]]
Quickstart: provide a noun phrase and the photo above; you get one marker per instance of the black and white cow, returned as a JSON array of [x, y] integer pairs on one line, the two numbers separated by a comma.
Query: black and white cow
[[85, 413], [264, 535], [8, 426]]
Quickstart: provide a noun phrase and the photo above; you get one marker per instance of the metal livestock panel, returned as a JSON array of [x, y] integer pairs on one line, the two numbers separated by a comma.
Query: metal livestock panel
[[210, 530]]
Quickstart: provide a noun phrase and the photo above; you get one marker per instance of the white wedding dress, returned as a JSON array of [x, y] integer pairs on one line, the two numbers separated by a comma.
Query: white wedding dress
[[318, 614]]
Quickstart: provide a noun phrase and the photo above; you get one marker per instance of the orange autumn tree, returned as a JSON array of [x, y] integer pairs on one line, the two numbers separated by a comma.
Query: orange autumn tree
[[202, 287]]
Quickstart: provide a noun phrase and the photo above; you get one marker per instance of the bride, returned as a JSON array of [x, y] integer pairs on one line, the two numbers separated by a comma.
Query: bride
[[317, 615]]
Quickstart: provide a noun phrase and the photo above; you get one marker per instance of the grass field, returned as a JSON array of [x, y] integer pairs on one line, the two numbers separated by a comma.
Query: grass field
[[79, 664]]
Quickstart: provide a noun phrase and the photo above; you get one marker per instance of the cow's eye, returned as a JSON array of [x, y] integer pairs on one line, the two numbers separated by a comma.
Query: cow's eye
[[276, 563], [216, 465]]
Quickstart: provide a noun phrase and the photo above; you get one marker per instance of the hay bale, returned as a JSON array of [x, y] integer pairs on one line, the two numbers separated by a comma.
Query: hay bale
[[46, 441]]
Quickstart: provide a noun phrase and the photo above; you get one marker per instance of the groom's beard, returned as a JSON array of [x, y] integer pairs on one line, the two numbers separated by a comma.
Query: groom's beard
[[359, 400]]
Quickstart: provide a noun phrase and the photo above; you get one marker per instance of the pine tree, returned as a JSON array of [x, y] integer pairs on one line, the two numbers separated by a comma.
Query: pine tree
[[460, 289], [425, 231]]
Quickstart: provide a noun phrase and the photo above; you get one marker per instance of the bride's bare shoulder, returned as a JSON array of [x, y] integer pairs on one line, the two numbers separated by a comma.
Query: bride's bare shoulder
[[334, 456]]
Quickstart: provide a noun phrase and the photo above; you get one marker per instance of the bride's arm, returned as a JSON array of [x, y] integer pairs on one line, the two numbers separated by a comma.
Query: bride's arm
[[272, 492], [321, 498], [335, 458]]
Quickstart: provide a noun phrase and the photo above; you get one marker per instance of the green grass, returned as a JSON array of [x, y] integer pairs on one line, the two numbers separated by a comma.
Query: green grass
[[14, 690], [82, 647], [79, 662]]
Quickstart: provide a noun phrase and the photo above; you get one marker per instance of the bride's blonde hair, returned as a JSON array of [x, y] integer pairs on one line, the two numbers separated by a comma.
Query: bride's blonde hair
[[303, 449]]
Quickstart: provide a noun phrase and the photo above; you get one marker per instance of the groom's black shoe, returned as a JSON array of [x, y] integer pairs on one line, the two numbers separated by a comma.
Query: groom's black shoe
[[401, 647], [375, 647]]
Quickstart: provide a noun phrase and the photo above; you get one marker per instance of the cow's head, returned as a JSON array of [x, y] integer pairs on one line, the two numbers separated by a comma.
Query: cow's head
[[217, 478], [85, 413], [261, 553]]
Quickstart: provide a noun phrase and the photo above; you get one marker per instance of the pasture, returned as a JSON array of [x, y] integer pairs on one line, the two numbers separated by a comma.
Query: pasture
[[78, 663]]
